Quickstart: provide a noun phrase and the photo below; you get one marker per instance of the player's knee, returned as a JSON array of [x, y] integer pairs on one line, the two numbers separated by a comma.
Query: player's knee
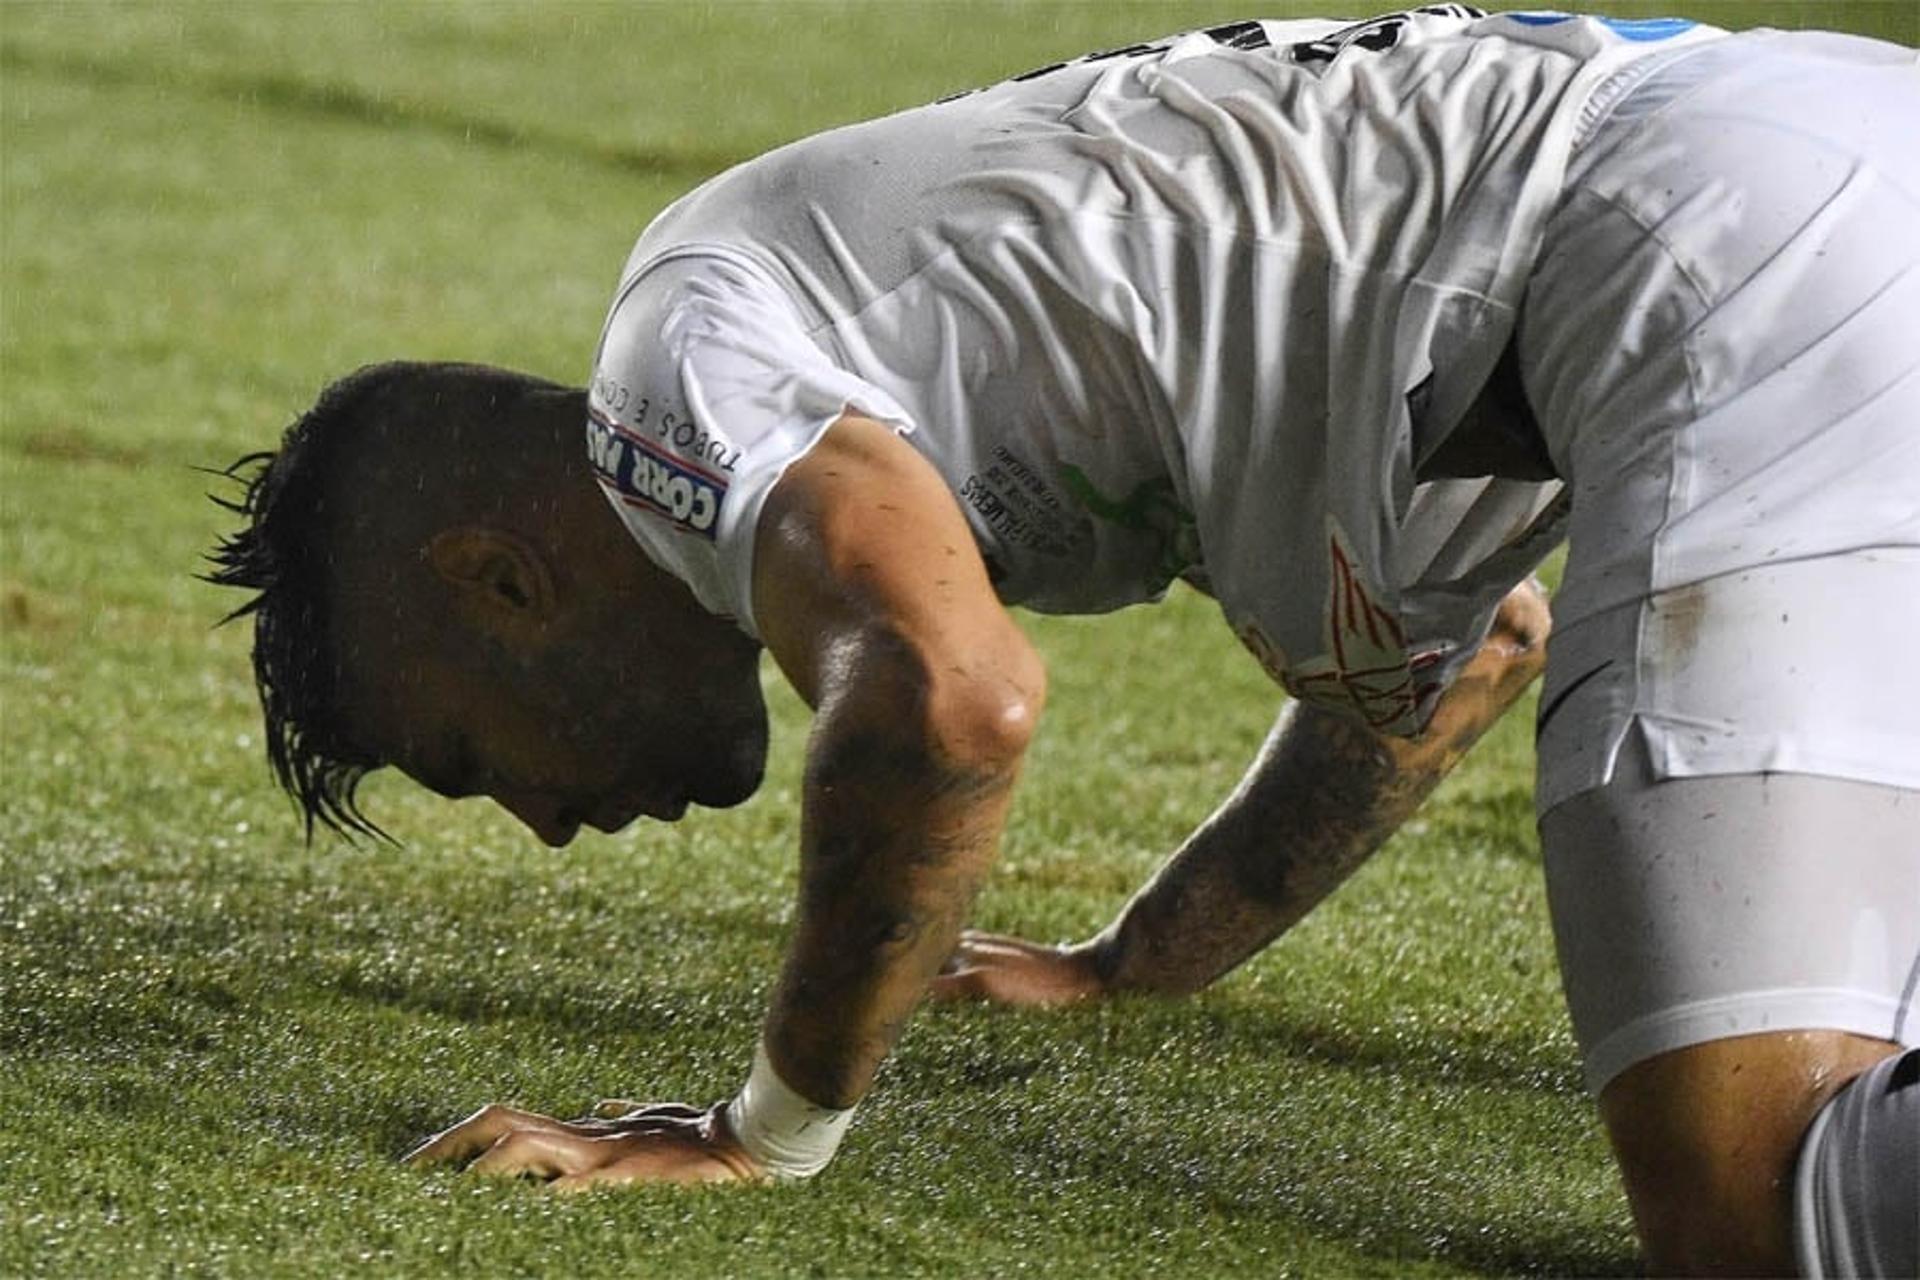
[[1707, 1136], [1856, 1195], [1699, 1213]]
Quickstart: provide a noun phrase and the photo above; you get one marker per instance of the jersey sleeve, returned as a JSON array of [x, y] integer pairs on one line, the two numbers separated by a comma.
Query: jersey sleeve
[[706, 387]]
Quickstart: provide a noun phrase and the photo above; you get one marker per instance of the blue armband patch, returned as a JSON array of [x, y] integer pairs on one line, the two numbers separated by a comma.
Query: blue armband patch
[[1640, 30]]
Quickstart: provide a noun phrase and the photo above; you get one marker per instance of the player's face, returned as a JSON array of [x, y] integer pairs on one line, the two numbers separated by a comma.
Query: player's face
[[602, 723]]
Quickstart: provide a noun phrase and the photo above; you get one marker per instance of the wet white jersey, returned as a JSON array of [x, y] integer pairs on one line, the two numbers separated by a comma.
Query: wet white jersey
[[1195, 309]]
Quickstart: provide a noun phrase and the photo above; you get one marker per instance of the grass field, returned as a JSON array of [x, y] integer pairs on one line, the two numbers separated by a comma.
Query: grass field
[[214, 1039]]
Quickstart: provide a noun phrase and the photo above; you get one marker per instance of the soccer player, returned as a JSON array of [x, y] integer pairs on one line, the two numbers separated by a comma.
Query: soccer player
[[1347, 326]]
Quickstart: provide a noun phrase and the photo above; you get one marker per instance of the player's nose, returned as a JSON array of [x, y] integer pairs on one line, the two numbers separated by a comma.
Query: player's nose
[[546, 816]]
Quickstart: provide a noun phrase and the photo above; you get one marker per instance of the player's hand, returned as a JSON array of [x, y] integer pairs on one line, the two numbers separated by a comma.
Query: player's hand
[[1013, 971], [621, 1142]]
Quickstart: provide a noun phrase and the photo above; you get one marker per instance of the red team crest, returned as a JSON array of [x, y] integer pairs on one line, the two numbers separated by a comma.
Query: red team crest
[[1365, 667]]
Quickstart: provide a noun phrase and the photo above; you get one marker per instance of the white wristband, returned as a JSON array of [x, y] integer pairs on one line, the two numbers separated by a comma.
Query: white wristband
[[790, 1136]]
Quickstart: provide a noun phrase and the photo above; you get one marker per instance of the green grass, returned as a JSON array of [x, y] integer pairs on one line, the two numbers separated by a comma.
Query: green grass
[[214, 1040]]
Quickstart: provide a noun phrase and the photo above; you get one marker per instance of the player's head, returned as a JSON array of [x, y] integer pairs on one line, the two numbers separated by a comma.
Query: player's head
[[439, 586]]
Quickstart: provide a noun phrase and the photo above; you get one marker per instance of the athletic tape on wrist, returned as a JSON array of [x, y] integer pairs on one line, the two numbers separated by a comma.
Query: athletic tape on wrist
[[790, 1136]]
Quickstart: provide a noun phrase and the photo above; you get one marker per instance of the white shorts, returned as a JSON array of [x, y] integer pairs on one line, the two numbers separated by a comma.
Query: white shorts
[[1723, 345], [1722, 340]]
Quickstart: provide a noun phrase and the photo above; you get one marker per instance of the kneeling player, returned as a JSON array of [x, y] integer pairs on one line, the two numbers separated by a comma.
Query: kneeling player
[[1345, 326]]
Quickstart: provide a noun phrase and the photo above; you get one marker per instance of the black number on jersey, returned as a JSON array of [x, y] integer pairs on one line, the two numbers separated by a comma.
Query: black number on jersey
[[1375, 35], [1103, 55], [1240, 35], [1232, 35]]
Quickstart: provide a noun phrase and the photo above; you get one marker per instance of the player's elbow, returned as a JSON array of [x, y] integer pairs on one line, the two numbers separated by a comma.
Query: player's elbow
[[943, 715], [981, 709]]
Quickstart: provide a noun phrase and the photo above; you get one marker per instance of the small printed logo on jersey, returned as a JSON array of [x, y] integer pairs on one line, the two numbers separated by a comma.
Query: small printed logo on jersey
[[647, 478]]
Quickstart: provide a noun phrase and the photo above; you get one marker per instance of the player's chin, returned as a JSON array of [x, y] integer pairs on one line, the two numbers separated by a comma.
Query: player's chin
[[731, 777], [732, 769]]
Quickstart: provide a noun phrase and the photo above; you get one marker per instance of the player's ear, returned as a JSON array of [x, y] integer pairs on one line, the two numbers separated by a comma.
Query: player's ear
[[496, 577]]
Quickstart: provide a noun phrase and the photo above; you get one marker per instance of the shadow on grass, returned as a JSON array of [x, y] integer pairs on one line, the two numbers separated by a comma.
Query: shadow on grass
[[562, 1006], [1139, 1030], [191, 985], [1299, 1167], [1363, 1198], [1506, 1062]]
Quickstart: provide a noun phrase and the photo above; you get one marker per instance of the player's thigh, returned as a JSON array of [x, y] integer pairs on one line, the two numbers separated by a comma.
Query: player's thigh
[[1733, 949]]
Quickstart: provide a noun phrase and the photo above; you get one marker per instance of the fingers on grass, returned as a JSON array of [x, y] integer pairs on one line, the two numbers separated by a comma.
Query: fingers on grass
[[663, 1164], [975, 947], [1000, 946], [477, 1133], [957, 985], [538, 1153], [623, 1109]]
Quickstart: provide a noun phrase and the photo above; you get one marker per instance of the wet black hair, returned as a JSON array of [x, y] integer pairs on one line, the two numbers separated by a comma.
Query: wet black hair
[[280, 554]]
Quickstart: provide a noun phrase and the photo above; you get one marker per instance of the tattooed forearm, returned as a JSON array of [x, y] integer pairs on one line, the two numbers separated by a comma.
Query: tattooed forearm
[[1322, 795], [895, 846]]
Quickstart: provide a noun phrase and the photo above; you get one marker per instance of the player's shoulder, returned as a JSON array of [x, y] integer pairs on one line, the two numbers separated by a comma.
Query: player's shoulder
[[684, 411], [674, 297]]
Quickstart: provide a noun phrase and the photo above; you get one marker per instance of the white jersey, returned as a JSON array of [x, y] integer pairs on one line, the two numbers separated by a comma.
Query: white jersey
[[1194, 309]]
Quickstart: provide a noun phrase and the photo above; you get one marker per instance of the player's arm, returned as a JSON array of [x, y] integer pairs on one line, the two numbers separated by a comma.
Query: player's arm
[[871, 595], [1324, 793]]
